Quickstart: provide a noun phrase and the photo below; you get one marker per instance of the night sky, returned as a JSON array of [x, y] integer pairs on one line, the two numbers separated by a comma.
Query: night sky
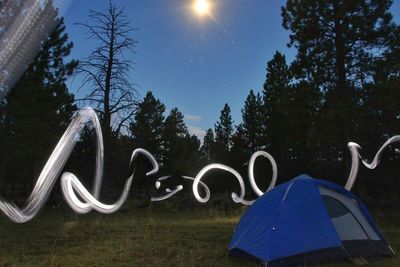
[[196, 63]]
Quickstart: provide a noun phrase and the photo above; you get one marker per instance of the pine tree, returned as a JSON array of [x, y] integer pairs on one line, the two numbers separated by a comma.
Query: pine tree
[[175, 139], [388, 67], [207, 149], [240, 152], [337, 40], [190, 155], [147, 129], [276, 96], [36, 112], [253, 126], [338, 44], [276, 87], [304, 102], [223, 134], [379, 99]]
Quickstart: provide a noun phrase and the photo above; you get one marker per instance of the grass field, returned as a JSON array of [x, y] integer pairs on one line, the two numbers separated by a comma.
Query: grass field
[[155, 236]]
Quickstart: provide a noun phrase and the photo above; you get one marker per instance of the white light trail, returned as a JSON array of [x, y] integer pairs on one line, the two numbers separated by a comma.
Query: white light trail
[[54, 166], [355, 159], [71, 186], [82, 201], [24, 28], [235, 197]]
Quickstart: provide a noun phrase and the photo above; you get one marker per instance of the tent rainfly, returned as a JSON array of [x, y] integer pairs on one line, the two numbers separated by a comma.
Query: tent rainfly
[[307, 220]]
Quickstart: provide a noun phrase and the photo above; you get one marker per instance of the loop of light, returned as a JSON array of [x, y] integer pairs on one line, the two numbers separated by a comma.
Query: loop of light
[[213, 166], [252, 180], [355, 159], [54, 166], [235, 197], [70, 184], [82, 201], [178, 188]]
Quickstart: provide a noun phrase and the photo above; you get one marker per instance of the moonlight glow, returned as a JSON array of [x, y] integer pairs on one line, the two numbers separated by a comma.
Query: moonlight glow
[[201, 7]]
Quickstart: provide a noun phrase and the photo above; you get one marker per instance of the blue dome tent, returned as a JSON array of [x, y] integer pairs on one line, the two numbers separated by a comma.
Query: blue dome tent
[[307, 220]]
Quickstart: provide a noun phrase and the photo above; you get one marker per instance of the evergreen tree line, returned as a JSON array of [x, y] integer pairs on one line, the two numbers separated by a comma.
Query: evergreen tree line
[[343, 85]]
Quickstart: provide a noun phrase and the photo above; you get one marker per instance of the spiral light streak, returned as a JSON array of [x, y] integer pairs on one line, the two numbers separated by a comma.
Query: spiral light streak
[[169, 194], [235, 197], [70, 183], [148, 156], [177, 189], [355, 159], [203, 185], [81, 200], [213, 166], [252, 180], [54, 166]]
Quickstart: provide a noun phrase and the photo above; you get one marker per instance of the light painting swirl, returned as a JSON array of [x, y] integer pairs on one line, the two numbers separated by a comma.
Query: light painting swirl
[[82, 201], [235, 197], [170, 193], [214, 166], [54, 166], [252, 180], [70, 184], [355, 159]]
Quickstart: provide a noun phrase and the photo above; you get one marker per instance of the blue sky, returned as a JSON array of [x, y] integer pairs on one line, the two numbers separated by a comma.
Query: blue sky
[[196, 64]]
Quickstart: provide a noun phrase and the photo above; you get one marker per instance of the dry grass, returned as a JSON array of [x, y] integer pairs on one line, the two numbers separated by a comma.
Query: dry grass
[[159, 236]]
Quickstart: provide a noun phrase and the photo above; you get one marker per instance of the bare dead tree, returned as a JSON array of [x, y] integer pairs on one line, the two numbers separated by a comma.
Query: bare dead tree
[[106, 70]]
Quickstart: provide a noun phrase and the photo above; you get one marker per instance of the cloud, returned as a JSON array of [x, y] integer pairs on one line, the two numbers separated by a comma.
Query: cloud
[[197, 131], [193, 118]]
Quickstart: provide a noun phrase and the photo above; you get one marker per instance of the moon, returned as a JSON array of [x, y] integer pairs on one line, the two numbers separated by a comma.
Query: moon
[[201, 7]]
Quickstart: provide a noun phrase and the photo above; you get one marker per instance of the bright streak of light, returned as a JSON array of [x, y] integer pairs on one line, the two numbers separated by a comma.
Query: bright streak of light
[[355, 159], [24, 27]]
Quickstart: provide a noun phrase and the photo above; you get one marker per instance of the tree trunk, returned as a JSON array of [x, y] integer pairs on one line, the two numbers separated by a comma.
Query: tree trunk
[[107, 89]]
